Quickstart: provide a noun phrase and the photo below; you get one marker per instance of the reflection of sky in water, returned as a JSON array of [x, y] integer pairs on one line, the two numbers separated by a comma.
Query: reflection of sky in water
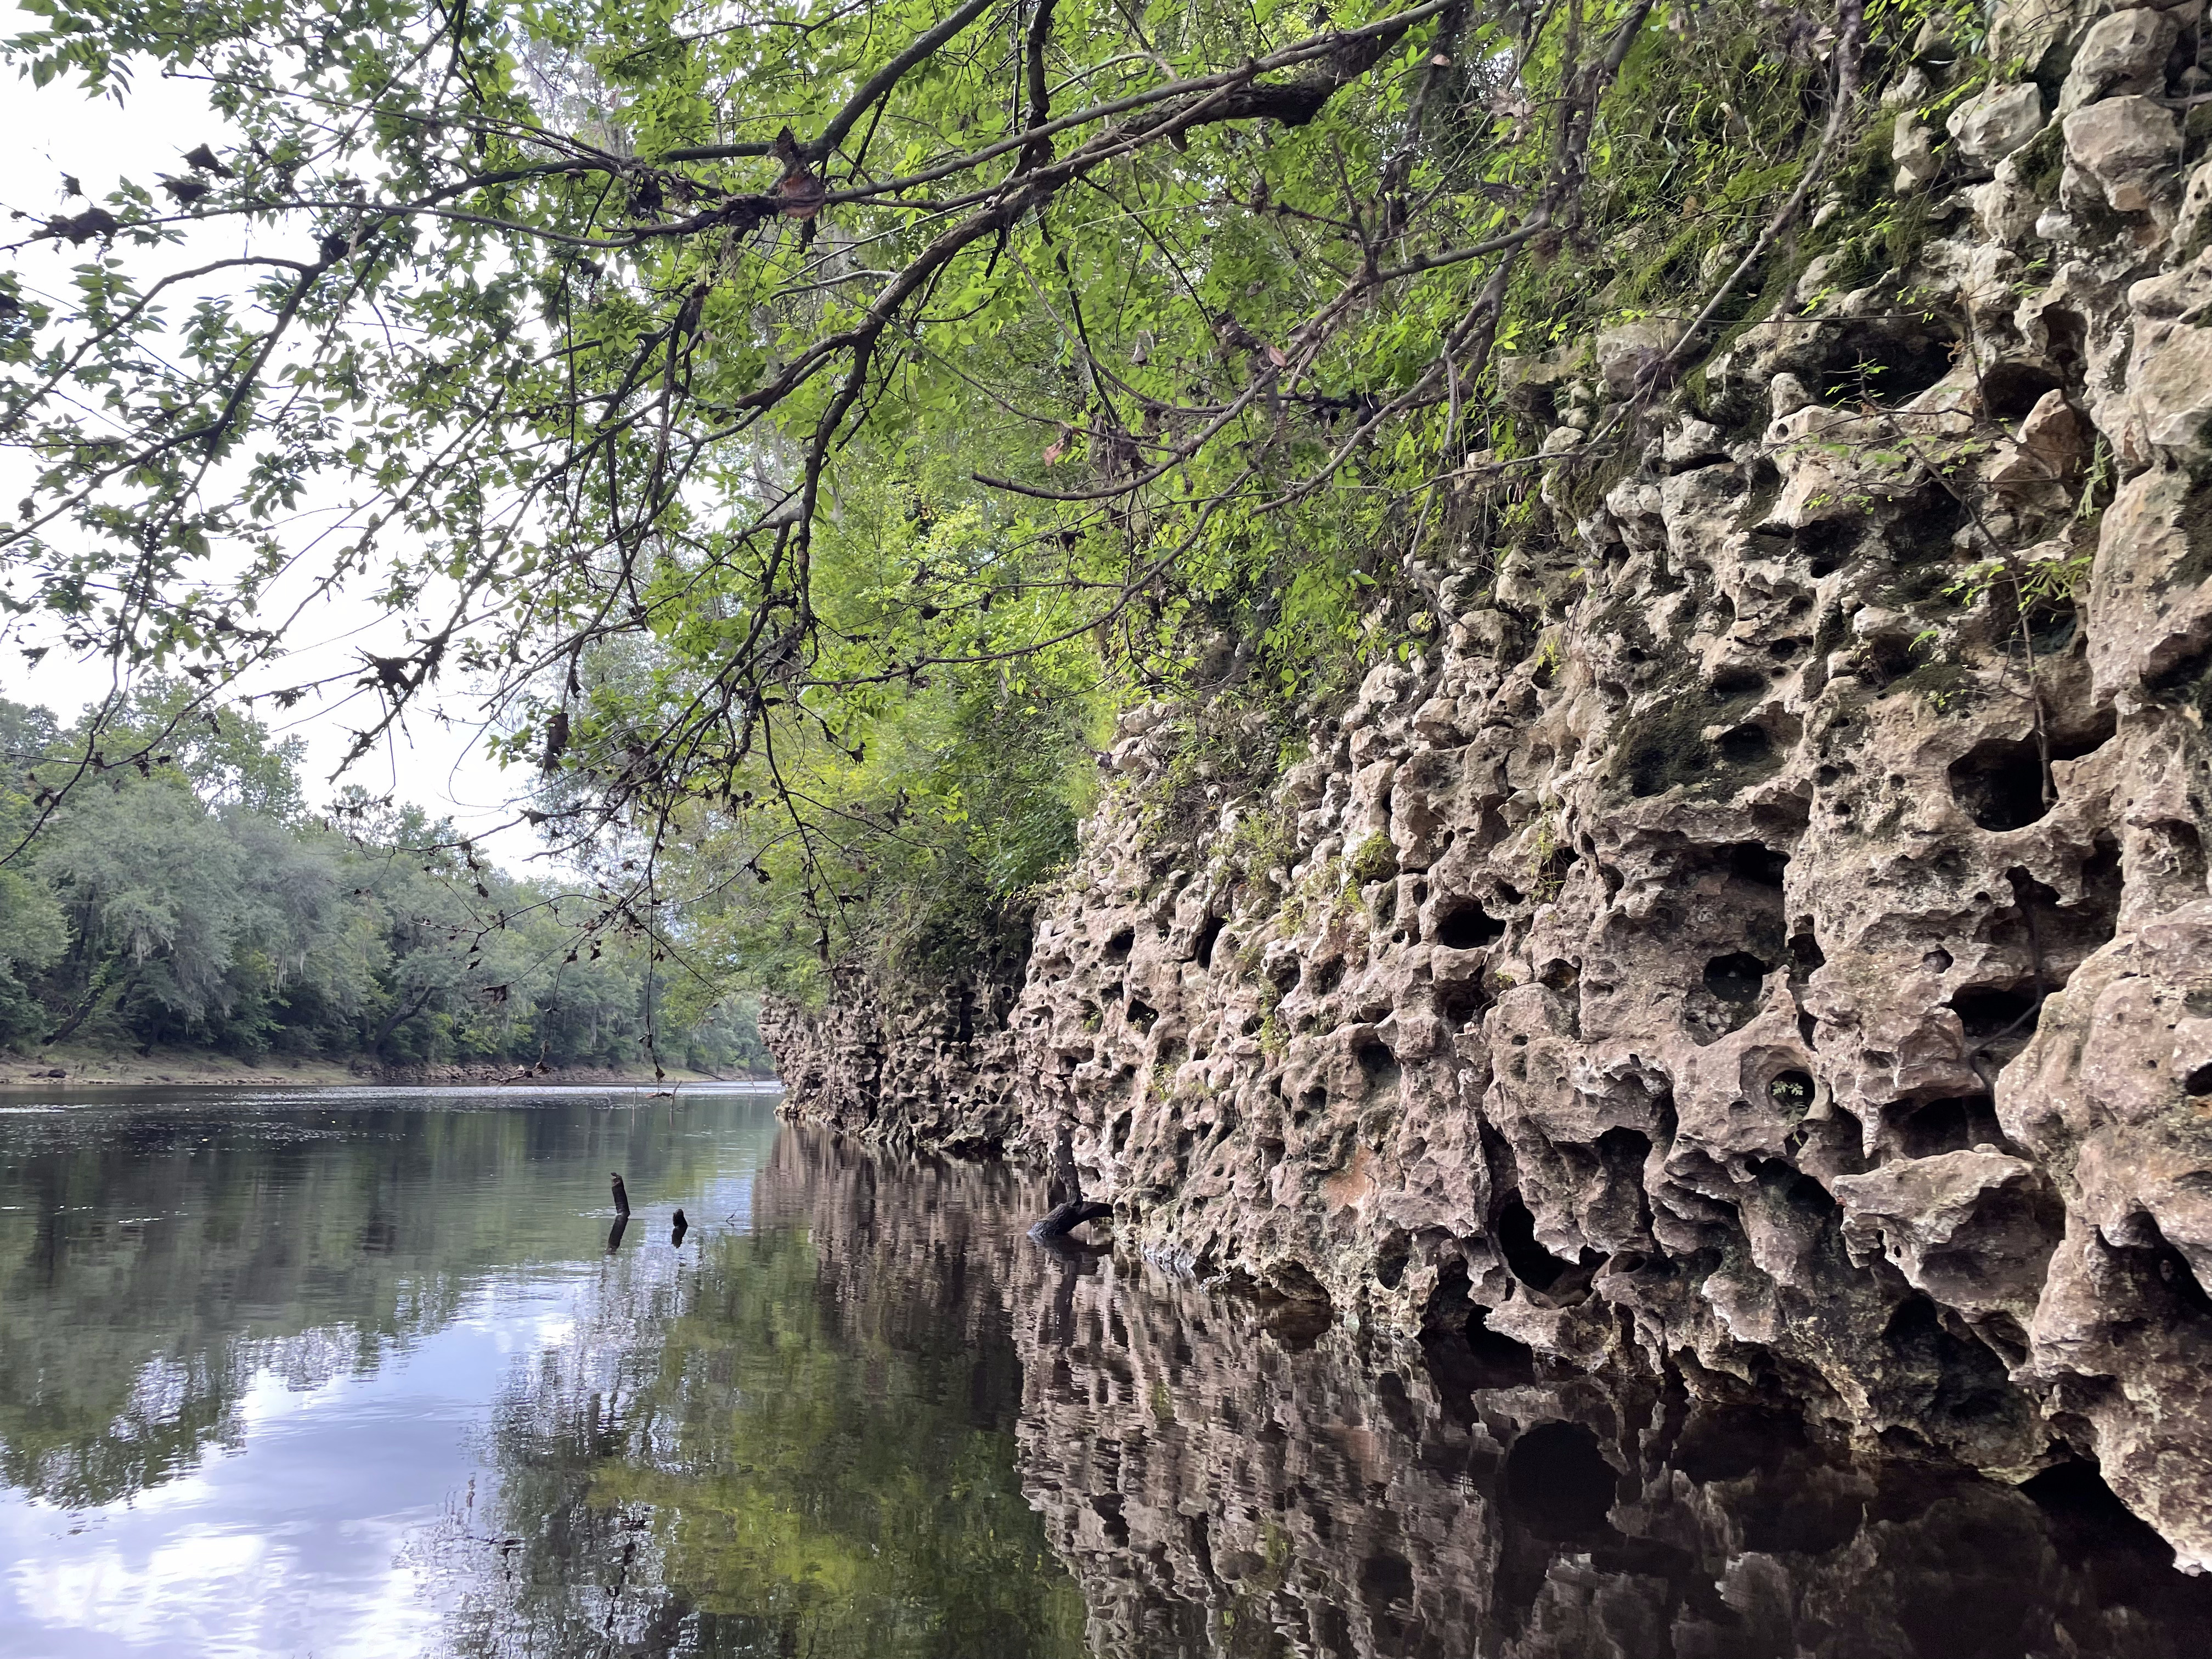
[[290, 1544], [316, 1531]]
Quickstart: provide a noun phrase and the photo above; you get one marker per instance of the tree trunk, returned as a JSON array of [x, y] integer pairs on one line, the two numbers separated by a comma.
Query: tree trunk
[[92, 1001], [399, 1017], [1068, 1217]]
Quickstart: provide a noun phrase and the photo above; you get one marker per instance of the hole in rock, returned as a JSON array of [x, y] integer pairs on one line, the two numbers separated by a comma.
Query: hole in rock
[[1503, 1362], [1733, 683], [1999, 783], [1376, 1063], [1792, 1091], [1310, 1102], [2051, 626], [1756, 863], [1805, 955], [1283, 974], [1937, 961], [1926, 527], [1450, 1305], [1209, 932], [1515, 1234], [1468, 926], [1989, 1013], [2071, 742], [1108, 1507], [2091, 921], [1119, 947], [1746, 746], [2160, 1262], [1328, 977], [1955, 1124], [1464, 1354], [2181, 1278], [1623, 1150], [1508, 893], [2198, 1082], [1557, 1484], [1143, 1015], [1553, 872], [1735, 977], [1390, 1261], [1825, 543], [1971, 1382], [1731, 1442], [1885, 369], [1385, 1579], [2086, 1517], [2011, 389], [1458, 1002]]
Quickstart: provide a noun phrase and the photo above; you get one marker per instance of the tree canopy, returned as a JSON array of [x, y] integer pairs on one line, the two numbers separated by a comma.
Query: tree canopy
[[726, 387], [195, 904]]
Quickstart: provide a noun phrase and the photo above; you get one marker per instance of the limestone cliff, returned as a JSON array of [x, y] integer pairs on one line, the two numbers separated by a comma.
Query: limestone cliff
[[1759, 936]]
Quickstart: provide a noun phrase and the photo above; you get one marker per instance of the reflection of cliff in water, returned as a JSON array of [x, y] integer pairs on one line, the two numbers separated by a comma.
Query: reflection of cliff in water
[[1223, 1488], [1220, 1490]]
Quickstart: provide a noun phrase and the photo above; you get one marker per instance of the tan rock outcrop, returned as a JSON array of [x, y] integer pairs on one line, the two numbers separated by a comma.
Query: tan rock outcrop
[[1749, 940]]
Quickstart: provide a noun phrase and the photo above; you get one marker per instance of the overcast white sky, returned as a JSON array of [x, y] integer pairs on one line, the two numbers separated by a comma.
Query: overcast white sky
[[50, 131]]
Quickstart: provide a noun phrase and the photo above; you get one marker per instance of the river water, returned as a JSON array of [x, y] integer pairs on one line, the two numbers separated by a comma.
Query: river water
[[366, 1373]]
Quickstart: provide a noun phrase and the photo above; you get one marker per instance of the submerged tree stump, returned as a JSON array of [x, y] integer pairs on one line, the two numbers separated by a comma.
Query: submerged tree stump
[[1067, 1218]]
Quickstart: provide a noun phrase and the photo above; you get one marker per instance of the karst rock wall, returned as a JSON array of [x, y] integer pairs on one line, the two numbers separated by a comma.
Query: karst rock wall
[[1744, 943]]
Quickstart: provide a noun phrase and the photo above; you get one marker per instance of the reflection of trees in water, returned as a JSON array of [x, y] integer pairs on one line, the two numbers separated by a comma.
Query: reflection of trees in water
[[157, 1261], [1218, 1490], [826, 1438], [804, 1445]]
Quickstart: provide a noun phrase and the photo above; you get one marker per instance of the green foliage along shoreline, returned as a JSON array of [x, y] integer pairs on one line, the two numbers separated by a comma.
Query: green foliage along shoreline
[[195, 904]]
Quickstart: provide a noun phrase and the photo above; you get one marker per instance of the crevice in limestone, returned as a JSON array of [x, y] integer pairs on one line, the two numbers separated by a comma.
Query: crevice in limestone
[[1209, 934]]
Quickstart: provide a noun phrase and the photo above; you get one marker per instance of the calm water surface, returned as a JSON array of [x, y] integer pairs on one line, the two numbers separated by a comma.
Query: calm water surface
[[373, 1372]]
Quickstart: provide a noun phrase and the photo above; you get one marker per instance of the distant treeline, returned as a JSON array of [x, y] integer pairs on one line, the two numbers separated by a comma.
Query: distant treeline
[[196, 903]]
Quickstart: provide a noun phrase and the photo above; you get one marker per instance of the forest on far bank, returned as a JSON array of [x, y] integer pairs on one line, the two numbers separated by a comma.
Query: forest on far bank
[[195, 903]]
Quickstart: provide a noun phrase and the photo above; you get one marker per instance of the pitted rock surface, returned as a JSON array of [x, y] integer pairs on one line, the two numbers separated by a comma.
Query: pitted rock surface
[[1761, 941]]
